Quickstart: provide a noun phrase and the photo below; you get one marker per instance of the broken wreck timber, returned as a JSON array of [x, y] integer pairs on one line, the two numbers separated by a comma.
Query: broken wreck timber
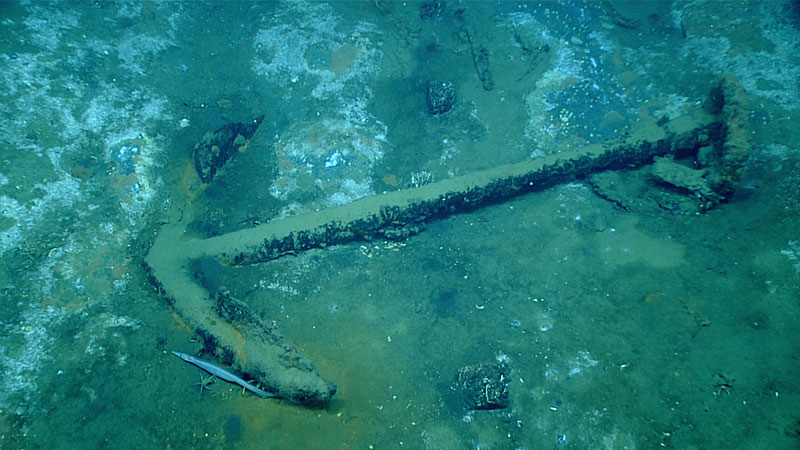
[[253, 350]]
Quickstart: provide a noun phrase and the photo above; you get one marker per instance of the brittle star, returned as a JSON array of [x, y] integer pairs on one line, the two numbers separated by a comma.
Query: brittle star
[[206, 382], [724, 385], [721, 388]]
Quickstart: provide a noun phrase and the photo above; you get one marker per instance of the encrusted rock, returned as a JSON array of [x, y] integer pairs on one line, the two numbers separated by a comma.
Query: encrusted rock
[[215, 149], [484, 386], [441, 97]]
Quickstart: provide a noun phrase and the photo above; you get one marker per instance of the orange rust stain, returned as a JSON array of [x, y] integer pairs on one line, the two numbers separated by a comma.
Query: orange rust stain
[[285, 164], [282, 182], [189, 182], [342, 59], [239, 344], [390, 179], [181, 323], [653, 296]]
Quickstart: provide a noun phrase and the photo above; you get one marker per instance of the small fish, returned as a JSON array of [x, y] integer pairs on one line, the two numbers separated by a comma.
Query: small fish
[[224, 374]]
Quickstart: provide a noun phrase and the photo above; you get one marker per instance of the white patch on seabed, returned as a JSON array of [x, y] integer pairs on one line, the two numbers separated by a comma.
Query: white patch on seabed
[[60, 194], [40, 93], [335, 151], [771, 75], [21, 366], [793, 255], [28, 79], [542, 126], [580, 362]]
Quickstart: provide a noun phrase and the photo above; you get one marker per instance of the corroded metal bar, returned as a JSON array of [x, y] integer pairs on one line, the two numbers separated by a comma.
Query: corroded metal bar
[[380, 214]]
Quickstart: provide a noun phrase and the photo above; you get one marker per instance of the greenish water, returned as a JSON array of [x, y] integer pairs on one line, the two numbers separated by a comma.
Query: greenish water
[[656, 327]]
